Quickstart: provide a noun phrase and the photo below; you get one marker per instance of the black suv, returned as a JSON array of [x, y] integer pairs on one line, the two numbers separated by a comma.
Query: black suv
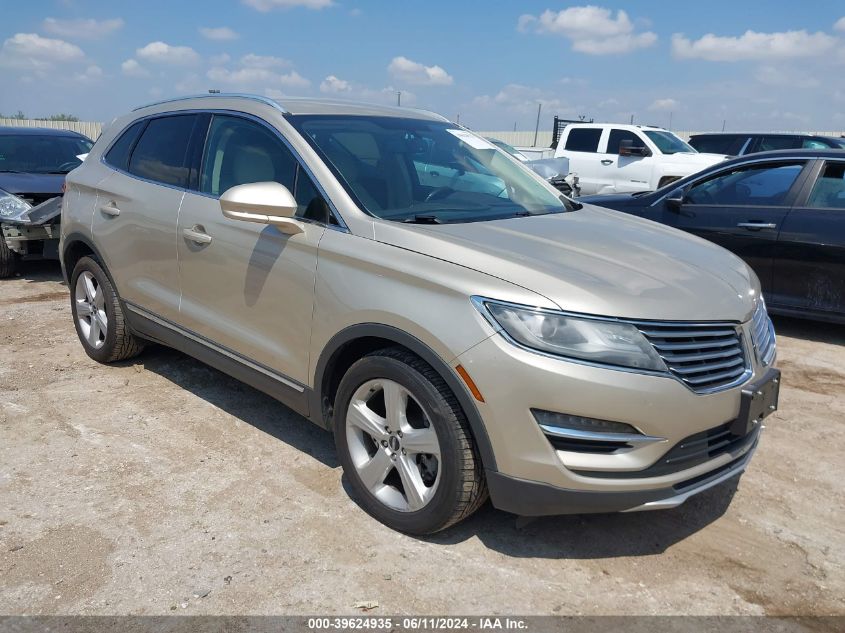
[[741, 143]]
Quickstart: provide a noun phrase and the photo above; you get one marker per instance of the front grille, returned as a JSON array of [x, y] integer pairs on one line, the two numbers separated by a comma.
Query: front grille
[[763, 335], [705, 357], [692, 451], [37, 198]]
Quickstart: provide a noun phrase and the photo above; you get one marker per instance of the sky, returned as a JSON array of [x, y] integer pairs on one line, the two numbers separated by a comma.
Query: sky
[[747, 64]]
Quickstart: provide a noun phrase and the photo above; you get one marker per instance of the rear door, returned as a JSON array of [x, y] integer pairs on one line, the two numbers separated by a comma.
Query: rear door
[[137, 208], [582, 149], [742, 208], [626, 173], [809, 267]]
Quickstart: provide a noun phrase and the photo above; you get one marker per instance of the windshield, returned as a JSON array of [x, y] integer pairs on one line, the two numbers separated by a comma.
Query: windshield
[[668, 143], [413, 170], [34, 154], [509, 149]]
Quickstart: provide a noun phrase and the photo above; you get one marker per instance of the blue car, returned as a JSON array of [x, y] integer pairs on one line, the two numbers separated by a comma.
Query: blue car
[[33, 165]]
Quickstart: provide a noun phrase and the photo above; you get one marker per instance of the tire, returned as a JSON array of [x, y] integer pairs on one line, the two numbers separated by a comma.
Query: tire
[[8, 259], [456, 490], [118, 343]]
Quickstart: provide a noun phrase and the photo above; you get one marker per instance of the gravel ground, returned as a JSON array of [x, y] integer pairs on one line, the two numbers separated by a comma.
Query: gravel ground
[[160, 485]]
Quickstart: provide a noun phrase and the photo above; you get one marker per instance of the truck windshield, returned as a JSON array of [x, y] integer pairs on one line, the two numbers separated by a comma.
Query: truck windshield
[[415, 170], [668, 143], [35, 154]]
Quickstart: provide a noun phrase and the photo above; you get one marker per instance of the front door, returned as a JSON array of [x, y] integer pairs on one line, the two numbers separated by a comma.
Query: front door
[[247, 287], [741, 209], [627, 173]]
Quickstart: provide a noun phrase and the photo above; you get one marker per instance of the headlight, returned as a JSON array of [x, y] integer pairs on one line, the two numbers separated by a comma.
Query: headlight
[[593, 340], [11, 206]]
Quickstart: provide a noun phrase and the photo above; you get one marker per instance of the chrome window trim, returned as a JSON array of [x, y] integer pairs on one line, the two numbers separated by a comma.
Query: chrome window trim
[[341, 226], [479, 302], [215, 347]]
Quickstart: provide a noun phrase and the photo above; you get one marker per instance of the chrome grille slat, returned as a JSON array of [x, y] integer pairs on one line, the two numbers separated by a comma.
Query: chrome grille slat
[[763, 335], [704, 356]]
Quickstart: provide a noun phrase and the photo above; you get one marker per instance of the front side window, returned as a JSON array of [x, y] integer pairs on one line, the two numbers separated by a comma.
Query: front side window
[[583, 139], [617, 136], [762, 185], [829, 190], [161, 152], [668, 143], [239, 152], [412, 170], [41, 154]]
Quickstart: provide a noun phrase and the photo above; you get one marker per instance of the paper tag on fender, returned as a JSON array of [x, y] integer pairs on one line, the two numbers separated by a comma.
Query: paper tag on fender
[[471, 139]]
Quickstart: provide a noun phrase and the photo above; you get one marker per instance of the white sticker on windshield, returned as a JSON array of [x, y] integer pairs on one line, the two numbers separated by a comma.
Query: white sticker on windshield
[[471, 139]]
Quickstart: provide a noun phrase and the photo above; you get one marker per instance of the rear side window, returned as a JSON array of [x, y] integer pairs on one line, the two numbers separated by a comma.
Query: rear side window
[[829, 190], [161, 152], [583, 139], [727, 144], [118, 155], [616, 138], [778, 142]]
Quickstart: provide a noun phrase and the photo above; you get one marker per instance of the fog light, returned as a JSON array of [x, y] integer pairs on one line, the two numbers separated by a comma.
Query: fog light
[[578, 423]]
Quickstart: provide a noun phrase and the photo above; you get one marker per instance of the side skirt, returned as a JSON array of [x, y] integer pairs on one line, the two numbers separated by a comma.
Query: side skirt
[[153, 328]]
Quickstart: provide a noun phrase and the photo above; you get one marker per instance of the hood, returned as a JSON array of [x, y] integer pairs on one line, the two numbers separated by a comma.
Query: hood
[[42, 184], [595, 261], [694, 159]]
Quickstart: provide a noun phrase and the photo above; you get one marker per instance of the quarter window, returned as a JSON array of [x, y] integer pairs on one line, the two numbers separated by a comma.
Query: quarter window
[[118, 155], [582, 139], [763, 185], [829, 190], [161, 152]]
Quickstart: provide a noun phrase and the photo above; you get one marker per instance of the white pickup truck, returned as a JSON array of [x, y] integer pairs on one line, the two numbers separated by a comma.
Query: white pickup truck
[[611, 158]]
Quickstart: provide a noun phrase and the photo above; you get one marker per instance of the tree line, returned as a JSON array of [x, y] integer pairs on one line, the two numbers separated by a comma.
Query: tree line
[[19, 115]]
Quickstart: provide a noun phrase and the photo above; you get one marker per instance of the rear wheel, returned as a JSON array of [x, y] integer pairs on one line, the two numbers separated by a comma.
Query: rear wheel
[[98, 315], [8, 259], [405, 444]]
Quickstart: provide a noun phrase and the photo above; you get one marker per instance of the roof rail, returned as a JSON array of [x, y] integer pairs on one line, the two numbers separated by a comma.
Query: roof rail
[[254, 97]]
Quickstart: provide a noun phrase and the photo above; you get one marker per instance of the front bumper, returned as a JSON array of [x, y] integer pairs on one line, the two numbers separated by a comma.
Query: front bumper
[[535, 478]]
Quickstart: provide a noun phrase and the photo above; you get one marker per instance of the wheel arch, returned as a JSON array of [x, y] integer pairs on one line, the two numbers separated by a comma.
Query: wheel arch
[[75, 246], [350, 344]]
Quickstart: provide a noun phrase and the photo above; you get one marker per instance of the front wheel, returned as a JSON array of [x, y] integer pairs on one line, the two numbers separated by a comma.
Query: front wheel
[[404, 444], [8, 259]]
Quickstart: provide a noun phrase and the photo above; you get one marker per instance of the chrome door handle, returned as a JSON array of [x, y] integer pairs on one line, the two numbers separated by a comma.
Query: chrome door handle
[[607, 161], [198, 237], [110, 209], [756, 226]]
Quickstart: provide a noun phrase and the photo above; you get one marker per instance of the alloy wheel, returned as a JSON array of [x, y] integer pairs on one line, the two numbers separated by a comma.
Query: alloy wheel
[[91, 310]]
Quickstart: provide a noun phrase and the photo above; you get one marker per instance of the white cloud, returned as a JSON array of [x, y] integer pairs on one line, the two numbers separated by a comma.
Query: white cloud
[[90, 74], [333, 85], [162, 53], [753, 46], [82, 29], [219, 60], [592, 30], [219, 34], [521, 99], [780, 77], [264, 61], [252, 77], [28, 51], [840, 25], [269, 5], [131, 68], [406, 70], [664, 105]]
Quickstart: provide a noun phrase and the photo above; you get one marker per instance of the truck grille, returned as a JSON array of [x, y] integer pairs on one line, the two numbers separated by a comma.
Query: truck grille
[[705, 357], [763, 335]]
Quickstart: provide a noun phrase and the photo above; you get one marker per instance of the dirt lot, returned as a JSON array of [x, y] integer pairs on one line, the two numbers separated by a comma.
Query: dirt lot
[[161, 485]]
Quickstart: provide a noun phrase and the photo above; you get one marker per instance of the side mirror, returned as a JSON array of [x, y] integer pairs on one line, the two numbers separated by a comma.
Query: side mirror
[[675, 200], [264, 203], [626, 148]]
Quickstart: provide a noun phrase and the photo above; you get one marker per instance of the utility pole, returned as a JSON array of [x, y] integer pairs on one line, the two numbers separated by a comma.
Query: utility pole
[[459, 119], [537, 127], [723, 124], [632, 119], [398, 97], [514, 126]]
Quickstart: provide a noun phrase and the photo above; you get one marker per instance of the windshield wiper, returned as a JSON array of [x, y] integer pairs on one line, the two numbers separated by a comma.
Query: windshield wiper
[[422, 219]]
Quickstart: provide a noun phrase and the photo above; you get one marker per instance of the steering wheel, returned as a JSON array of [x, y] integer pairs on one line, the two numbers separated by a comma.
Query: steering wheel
[[440, 192], [71, 164]]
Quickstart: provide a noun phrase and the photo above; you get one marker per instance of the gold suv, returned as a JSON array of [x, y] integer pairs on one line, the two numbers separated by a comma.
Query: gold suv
[[463, 328]]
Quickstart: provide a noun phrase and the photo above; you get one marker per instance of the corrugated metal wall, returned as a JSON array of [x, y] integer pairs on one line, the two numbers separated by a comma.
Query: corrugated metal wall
[[88, 128]]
